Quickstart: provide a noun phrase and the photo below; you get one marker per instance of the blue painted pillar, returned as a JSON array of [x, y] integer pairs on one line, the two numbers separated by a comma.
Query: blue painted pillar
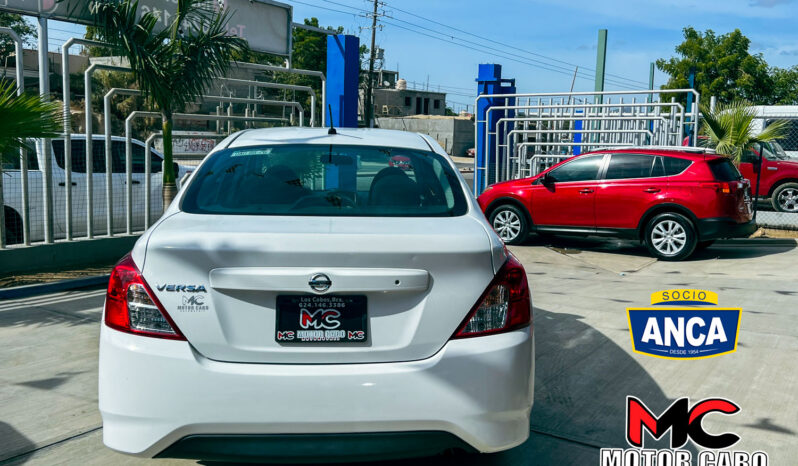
[[578, 126], [343, 75], [688, 108], [489, 81]]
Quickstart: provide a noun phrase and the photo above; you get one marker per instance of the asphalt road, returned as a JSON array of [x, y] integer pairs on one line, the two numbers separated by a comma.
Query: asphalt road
[[585, 366]]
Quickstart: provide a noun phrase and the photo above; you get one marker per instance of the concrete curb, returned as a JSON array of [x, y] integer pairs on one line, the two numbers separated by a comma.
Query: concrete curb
[[766, 242], [62, 255], [44, 288]]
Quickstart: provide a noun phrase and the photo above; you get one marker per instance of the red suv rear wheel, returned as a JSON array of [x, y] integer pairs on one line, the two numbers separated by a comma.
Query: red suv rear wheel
[[670, 236]]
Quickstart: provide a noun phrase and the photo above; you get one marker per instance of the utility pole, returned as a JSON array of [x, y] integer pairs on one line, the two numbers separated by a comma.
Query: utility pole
[[369, 113]]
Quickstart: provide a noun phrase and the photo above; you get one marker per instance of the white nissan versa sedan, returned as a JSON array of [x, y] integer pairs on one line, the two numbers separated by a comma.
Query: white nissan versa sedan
[[305, 299]]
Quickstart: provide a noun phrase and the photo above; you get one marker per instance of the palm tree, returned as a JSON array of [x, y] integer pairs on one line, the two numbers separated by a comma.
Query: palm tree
[[174, 66], [23, 116], [728, 129]]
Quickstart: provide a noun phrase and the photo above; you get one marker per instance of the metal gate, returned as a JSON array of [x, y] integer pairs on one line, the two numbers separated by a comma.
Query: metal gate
[[518, 135]]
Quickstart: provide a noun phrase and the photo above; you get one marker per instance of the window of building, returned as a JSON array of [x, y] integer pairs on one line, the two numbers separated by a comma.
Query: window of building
[[408, 101], [436, 104]]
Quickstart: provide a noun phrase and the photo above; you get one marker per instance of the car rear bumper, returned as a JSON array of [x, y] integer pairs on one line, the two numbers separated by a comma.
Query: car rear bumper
[[312, 448], [724, 227], [154, 393]]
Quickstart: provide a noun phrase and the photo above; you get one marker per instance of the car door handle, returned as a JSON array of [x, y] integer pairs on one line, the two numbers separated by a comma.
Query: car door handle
[[63, 183], [585, 191], [773, 168], [652, 190]]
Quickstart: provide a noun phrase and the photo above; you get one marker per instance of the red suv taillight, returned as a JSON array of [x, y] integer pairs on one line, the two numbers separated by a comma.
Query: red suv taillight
[[505, 305], [131, 306]]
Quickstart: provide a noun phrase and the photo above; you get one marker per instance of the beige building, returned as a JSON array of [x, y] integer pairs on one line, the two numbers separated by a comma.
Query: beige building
[[392, 98], [454, 133]]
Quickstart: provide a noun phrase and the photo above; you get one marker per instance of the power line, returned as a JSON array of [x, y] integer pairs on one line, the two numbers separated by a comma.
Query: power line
[[435, 37], [499, 54], [326, 8], [541, 64], [510, 46], [506, 55]]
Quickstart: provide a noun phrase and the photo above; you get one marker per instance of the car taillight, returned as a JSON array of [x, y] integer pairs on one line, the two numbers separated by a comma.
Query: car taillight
[[505, 305], [131, 306], [724, 188]]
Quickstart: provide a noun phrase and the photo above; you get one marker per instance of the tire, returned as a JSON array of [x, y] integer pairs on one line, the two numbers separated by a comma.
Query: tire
[[13, 226], [785, 198], [509, 222], [704, 244], [670, 237]]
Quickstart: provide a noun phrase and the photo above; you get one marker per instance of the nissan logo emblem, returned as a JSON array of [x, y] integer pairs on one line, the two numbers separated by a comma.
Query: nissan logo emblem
[[320, 283]]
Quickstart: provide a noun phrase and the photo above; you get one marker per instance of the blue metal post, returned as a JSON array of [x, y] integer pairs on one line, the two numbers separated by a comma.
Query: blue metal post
[[689, 107], [578, 126], [489, 81], [343, 74]]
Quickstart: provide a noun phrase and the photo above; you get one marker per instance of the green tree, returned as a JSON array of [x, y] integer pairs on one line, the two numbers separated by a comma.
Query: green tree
[[724, 67], [24, 116], [172, 67], [785, 86], [23, 29], [95, 33]]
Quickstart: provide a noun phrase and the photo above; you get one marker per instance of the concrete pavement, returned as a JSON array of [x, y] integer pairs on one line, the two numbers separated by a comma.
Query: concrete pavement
[[584, 363]]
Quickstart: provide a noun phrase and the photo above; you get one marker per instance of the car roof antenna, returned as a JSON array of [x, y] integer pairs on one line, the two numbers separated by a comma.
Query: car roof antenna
[[332, 128]]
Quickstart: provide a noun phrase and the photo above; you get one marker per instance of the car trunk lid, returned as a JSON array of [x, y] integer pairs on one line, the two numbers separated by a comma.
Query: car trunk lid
[[220, 278]]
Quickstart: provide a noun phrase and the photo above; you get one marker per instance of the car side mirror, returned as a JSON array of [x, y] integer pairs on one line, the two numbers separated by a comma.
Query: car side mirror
[[547, 180]]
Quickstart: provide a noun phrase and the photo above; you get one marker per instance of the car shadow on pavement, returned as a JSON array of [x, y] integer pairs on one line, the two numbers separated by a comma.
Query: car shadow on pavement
[[12, 442], [44, 310], [582, 379], [573, 245]]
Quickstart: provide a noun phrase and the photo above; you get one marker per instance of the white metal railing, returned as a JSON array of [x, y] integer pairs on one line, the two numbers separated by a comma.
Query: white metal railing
[[147, 161], [516, 128], [62, 210], [20, 82]]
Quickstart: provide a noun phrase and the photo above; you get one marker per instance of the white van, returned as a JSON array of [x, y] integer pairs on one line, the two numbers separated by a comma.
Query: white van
[[12, 188], [769, 113]]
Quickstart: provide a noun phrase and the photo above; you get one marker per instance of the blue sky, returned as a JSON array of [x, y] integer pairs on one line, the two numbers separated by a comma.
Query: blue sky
[[639, 33]]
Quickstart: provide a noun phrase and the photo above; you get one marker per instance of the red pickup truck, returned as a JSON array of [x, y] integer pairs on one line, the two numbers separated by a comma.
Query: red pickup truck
[[778, 175]]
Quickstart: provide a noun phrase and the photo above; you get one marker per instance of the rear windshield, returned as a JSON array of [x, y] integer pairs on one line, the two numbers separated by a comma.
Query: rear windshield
[[724, 170], [325, 180]]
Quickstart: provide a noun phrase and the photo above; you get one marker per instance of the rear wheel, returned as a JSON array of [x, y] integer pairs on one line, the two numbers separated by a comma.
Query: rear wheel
[[510, 224], [785, 198], [670, 236]]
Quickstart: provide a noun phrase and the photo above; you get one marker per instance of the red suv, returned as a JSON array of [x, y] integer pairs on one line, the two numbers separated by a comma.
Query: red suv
[[673, 200]]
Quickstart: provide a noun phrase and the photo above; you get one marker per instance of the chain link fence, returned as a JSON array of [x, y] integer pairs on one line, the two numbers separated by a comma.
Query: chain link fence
[[778, 192]]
